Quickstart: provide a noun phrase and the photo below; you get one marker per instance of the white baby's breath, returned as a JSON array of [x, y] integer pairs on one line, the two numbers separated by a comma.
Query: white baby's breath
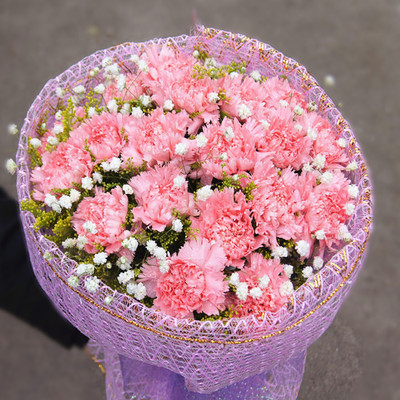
[[179, 181], [142, 65], [168, 105], [204, 193], [11, 166], [223, 156], [74, 195], [125, 109], [100, 258], [201, 140], [130, 243], [242, 291], [106, 61], [164, 266], [279, 252], [326, 177], [286, 289], [288, 270], [234, 279], [319, 161], [73, 281], [99, 89], [87, 183], [312, 133], [352, 166], [177, 225], [91, 112], [69, 243], [283, 103], [213, 97], [12, 129], [307, 272], [256, 75], [52, 140], [145, 100], [181, 149], [302, 248], [121, 82], [243, 111], [80, 89], [255, 292], [81, 241], [97, 177], [112, 106], [35, 143], [349, 208], [65, 202], [123, 263], [320, 234], [137, 112], [126, 276], [229, 133], [343, 233], [60, 92], [318, 263], [127, 189], [298, 110], [151, 246], [264, 281], [92, 284], [353, 191]]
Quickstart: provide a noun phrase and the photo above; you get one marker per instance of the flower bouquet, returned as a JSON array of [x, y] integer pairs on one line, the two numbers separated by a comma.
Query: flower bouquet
[[199, 208]]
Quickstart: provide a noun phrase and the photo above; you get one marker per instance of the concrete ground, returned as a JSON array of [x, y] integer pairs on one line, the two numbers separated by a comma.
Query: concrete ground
[[357, 42]]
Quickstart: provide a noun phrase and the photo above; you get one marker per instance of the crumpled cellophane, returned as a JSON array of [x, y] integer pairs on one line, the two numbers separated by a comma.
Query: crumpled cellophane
[[209, 355]]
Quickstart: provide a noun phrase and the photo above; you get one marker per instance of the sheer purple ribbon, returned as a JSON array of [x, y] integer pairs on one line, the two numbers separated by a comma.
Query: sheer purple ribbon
[[136, 380]]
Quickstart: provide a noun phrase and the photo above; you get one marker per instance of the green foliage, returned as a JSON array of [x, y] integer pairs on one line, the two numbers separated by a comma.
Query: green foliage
[[225, 314], [62, 230], [202, 70], [234, 182], [35, 207]]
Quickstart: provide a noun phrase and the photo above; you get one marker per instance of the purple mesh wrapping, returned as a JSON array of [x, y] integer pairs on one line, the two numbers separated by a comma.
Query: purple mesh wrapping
[[208, 355]]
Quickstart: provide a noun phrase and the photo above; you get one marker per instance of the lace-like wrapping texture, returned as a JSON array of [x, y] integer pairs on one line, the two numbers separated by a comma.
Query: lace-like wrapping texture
[[209, 355]]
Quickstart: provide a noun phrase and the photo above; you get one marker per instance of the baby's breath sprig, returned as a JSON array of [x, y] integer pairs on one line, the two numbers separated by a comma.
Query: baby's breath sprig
[[62, 229], [233, 181], [35, 157], [200, 71]]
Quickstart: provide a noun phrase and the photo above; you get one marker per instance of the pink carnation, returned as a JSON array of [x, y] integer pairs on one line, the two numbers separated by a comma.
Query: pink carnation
[[153, 138], [158, 196], [102, 134], [279, 90], [242, 90], [107, 211], [325, 142], [326, 209], [271, 299], [61, 168], [225, 219], [240, 151], [286, 139], [194, 282], [133, 89], [279, 202], [170, 77]]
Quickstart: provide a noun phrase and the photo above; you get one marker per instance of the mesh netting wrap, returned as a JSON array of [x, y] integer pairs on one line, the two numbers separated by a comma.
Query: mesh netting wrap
[[207, 355]]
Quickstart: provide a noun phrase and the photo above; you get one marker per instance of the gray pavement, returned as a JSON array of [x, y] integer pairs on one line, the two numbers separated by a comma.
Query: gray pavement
[[357, 42]]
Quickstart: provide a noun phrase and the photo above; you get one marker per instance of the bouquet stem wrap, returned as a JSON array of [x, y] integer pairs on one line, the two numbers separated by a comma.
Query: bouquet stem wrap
[[132, 379], [268, 353]]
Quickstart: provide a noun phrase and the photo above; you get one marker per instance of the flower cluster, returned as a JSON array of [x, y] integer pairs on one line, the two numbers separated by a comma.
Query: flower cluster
[[202, 190]]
